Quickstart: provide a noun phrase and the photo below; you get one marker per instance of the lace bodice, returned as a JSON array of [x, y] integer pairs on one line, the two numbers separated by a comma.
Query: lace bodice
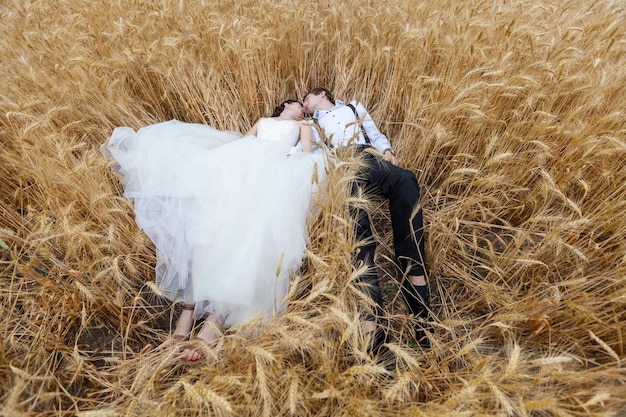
[[272, 129]]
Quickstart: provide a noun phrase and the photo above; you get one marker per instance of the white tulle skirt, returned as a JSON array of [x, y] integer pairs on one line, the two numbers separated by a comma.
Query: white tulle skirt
[[228, 215]]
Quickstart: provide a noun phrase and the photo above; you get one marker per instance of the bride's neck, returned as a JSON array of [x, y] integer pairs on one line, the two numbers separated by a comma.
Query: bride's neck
[[286, 116]]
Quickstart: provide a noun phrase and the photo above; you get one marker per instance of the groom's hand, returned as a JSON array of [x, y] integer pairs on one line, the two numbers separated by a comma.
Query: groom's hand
[[390, 157]]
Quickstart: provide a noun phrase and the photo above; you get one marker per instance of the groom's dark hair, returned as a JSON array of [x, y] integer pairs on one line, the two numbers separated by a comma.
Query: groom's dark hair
[[319, 90]]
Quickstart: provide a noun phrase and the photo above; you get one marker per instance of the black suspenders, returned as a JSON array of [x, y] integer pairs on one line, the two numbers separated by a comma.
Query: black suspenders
[[358, 119]]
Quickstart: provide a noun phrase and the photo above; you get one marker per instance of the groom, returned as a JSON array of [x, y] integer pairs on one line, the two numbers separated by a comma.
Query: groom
[[351, 125]]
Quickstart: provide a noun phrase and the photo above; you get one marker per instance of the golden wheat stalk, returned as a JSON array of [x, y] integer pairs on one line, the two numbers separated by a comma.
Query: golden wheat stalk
[[511, 114]]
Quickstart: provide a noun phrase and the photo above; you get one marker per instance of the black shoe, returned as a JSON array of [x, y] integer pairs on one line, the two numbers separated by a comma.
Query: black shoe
[[417, 299], [421, 338], [376, 345], [387, 360]]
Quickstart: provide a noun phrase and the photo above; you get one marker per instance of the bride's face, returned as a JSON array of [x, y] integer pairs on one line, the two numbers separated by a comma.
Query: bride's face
[[296, 108]]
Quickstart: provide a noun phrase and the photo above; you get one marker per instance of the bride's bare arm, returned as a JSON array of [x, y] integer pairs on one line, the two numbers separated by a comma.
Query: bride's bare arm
[[253, 129], [306, 137]]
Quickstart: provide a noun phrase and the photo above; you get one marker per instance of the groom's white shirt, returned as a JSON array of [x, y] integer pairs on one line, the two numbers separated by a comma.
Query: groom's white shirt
[[341, 126]]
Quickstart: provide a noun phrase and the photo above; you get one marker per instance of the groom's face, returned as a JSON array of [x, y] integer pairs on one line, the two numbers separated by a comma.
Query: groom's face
[[311, 102]]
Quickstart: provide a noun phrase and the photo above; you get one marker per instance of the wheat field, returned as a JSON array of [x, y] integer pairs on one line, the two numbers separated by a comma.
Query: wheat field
[[510, 113]]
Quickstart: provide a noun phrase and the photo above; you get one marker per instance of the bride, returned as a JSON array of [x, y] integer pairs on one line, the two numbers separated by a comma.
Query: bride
[[227, 213]]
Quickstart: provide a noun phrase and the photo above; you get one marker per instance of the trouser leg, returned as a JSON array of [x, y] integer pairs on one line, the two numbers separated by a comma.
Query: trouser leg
[[402, 190], [365, 254], [368, 281]]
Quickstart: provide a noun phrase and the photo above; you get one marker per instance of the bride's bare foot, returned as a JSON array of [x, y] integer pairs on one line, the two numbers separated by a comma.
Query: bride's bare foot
[[184, 323], [210, 333]]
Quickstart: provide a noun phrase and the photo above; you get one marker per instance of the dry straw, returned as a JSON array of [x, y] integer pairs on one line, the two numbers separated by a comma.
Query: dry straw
[[511, 114]]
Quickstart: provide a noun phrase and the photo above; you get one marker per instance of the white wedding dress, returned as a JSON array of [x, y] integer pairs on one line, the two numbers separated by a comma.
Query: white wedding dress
[[227, 215]]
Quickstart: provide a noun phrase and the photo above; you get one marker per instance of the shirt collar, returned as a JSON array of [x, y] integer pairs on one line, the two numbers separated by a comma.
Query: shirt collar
[[319, 113]]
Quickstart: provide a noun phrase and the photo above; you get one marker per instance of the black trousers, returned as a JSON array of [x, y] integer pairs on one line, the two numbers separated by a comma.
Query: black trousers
[[400, 187]]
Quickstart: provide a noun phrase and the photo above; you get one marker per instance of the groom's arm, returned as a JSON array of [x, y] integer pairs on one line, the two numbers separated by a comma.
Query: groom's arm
[[377, 138]]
